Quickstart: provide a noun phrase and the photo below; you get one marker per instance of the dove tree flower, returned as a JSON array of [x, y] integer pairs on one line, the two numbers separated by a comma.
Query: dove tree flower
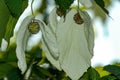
[[29, 26], [22, 38], [68, 43]]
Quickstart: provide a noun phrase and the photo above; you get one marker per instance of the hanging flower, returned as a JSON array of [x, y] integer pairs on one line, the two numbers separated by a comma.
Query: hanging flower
[[75, 39], [68, 43], [28, 26], [22, 38]]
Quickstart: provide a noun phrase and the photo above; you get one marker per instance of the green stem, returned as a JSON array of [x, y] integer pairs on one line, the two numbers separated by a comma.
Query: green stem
[[32, 8], [78, 5]]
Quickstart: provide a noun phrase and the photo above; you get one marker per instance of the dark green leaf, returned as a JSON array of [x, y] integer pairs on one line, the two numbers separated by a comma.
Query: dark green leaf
[[10, 55], [15, 74], [4, 17], [113, 69], [85, 76], [25, 4], [101, 4], [5, 69], [15, 7], [41, 72], [108, 77], [64, 4], [93, 74], [105, 10]]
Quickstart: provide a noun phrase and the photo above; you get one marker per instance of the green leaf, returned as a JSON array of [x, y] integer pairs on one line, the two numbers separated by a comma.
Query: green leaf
[[113, 69], [9, 28], [64, 4], [25, 4], [10, 55], [93, 74], [15, 74], [5, 69], [102, 5], [85, 76], [15, 7], [41, 72], [108, 77], [4, 17]]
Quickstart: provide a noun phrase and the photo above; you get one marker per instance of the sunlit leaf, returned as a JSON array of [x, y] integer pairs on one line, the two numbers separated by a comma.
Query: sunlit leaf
[[101, 71], [4, 17]]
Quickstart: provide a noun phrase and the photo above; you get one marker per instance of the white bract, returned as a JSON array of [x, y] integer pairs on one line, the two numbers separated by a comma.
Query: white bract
[[86, 3], [4, 45], [68, 45], [22, 38]]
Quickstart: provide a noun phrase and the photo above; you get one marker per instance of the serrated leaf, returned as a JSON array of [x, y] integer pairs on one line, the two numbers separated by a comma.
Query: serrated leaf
[[4, 17], [113, 69], [102, 5], [9, 28], [15, 7]]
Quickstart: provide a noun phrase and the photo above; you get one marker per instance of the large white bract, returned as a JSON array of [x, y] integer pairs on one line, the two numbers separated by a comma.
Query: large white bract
[[68, 45]]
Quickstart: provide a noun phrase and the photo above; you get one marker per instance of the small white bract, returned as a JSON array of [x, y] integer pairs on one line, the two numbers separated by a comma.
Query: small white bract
[[86, 3], [22, 38]]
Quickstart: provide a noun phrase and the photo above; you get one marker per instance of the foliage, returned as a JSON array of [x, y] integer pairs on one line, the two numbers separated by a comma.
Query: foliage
[[102, 5], [10, 11]]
